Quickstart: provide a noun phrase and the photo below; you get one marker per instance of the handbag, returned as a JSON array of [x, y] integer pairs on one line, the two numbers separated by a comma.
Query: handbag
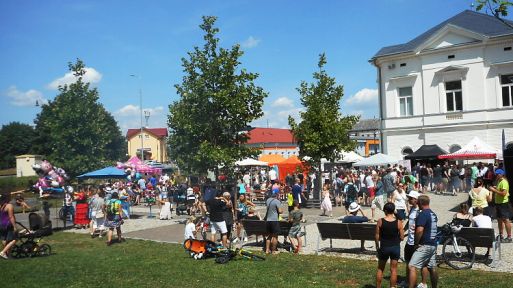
[[100, 214]]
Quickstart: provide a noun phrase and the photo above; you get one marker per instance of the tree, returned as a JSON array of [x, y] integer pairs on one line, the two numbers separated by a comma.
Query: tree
[[75, 132], [15, 139], [323, 131], [218, 100], [497, 8]]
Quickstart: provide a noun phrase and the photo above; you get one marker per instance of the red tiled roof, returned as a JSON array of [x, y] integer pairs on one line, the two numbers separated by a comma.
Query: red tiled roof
[[159, 132], [270, 135]]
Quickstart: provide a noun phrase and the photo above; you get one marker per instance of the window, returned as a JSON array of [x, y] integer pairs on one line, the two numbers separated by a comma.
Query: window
[[454, 96], [405, 101], [507, 93]]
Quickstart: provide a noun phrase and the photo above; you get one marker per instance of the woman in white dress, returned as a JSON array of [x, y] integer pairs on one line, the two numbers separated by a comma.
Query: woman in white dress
[[326, 201]]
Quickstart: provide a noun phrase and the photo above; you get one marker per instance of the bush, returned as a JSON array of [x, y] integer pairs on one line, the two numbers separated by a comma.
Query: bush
[[13, 183]]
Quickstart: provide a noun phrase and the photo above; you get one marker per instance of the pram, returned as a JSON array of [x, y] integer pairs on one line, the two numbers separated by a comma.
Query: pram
[[29, 238], [200, 249]]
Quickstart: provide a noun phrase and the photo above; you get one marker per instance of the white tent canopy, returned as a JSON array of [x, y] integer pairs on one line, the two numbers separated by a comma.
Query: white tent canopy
[[377, 160], [251, 162], [350, 157], [475, 149]]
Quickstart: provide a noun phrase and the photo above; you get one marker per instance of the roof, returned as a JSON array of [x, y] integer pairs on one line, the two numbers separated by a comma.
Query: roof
[[366, 125], [159, 132], [479, 23], [427, 152], [270, 135]]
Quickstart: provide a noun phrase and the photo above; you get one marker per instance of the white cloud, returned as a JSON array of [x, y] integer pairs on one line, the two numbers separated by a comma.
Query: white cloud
[[28, 98], [132, 110], [283, 102], [294, 112], [365, 95], [250, 42], [91, 76]]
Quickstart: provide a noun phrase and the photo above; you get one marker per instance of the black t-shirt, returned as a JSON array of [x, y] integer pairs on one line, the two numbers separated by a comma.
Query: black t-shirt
[[437, 171], [217, 209]]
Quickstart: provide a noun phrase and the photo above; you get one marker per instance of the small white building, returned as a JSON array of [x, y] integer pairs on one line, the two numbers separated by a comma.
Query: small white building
[[451, 83], [24, 164]]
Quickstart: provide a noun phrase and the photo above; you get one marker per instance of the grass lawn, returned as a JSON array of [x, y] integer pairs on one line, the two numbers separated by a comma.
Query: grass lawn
[[79, 261]]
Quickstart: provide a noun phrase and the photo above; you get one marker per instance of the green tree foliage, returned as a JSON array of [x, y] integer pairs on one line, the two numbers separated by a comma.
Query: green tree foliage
[[323, 131], [15, 139], [497, 8], [218, 100], [75, 132]]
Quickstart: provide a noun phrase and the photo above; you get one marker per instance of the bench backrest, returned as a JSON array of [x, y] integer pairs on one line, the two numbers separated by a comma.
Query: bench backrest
[[352, 231], [478, 237], [258, 227]]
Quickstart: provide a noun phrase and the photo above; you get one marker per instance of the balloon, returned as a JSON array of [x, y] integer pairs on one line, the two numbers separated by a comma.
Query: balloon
[[55, 184], [42, 182], [69, 189], [137, 175], [53, 174], [46, 166], [60, 180]]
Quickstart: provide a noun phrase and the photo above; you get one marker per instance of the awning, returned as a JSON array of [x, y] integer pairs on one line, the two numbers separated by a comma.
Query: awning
[[105, 173], [475, 149], [426, 152]]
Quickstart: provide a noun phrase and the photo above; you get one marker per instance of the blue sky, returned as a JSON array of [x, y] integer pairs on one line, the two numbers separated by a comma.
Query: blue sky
[[281, 40]]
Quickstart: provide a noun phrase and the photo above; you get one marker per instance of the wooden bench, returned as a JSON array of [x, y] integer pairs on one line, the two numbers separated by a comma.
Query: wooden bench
[[483, 237], [349, 231], [259, 228]]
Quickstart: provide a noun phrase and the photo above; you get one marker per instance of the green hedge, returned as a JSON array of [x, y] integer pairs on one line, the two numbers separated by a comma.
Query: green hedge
[[13, 183]]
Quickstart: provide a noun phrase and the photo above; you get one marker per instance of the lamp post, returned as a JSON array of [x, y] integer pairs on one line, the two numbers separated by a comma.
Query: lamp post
[[375, 144], [140, 108], [146, 116]]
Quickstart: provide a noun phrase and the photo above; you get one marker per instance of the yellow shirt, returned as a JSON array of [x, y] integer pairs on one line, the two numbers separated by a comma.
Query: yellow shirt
[[479, 197], [503, 185]]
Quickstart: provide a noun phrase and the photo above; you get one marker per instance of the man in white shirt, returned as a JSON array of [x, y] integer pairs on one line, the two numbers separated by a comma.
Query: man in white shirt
[[480, 220], [272, 175]]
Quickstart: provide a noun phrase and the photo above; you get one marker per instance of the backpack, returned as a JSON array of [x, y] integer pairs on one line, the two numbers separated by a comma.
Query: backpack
[[352, 194], [112, 207]]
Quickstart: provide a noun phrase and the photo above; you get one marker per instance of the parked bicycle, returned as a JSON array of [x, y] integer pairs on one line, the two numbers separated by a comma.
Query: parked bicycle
[[225, 255], [457, 251]]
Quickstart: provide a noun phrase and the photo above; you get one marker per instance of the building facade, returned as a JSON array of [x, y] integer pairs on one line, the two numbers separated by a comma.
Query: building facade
[[24, 164], [273, 141], [451, 83], [154, 143], [366, 134]]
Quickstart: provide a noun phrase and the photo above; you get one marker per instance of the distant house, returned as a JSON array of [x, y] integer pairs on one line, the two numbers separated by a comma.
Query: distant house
[[24, 164], [366, 134], [153, 142], [449, 84], [273, 141]]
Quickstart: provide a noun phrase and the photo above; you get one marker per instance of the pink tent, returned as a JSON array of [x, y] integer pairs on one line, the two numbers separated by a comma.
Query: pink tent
[[141, 167]]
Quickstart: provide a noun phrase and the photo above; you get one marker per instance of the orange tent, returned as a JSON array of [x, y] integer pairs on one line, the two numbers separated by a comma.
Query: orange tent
[[290, 165], [272, 159]]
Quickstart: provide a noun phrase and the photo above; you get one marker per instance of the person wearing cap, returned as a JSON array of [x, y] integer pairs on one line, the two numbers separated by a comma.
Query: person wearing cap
[[409, 247], [502, 204], [272, 221], [424, 243]]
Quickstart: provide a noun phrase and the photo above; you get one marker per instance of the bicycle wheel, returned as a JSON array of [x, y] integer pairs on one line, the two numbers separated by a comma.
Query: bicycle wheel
[[460, 255], [44, 250], [29, 248], [251, 256]]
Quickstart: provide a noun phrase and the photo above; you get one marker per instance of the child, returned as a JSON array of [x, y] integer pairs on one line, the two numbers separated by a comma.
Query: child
[[290, 199], [20, 201], [190, 228], [295, 217]]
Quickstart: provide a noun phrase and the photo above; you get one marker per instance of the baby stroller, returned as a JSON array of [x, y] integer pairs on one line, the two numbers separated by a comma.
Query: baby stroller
[[29, 238], [200, 249]]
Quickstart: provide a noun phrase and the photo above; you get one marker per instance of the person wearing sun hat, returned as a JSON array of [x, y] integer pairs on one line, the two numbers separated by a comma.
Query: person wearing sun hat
[[352, 217], [502, 204]]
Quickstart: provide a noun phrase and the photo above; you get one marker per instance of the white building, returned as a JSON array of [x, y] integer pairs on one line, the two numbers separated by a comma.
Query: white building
[[453, 82]]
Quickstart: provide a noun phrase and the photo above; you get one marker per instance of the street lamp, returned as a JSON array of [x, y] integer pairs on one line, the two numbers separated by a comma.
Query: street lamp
[[375, 144], [140, 108]]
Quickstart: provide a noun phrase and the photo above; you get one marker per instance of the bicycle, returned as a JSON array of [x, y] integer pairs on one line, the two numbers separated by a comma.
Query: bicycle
[[223, 256], [457, 252]]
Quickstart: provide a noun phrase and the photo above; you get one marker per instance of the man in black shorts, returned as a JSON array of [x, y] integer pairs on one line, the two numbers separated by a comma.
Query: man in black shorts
[[272, 222]]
